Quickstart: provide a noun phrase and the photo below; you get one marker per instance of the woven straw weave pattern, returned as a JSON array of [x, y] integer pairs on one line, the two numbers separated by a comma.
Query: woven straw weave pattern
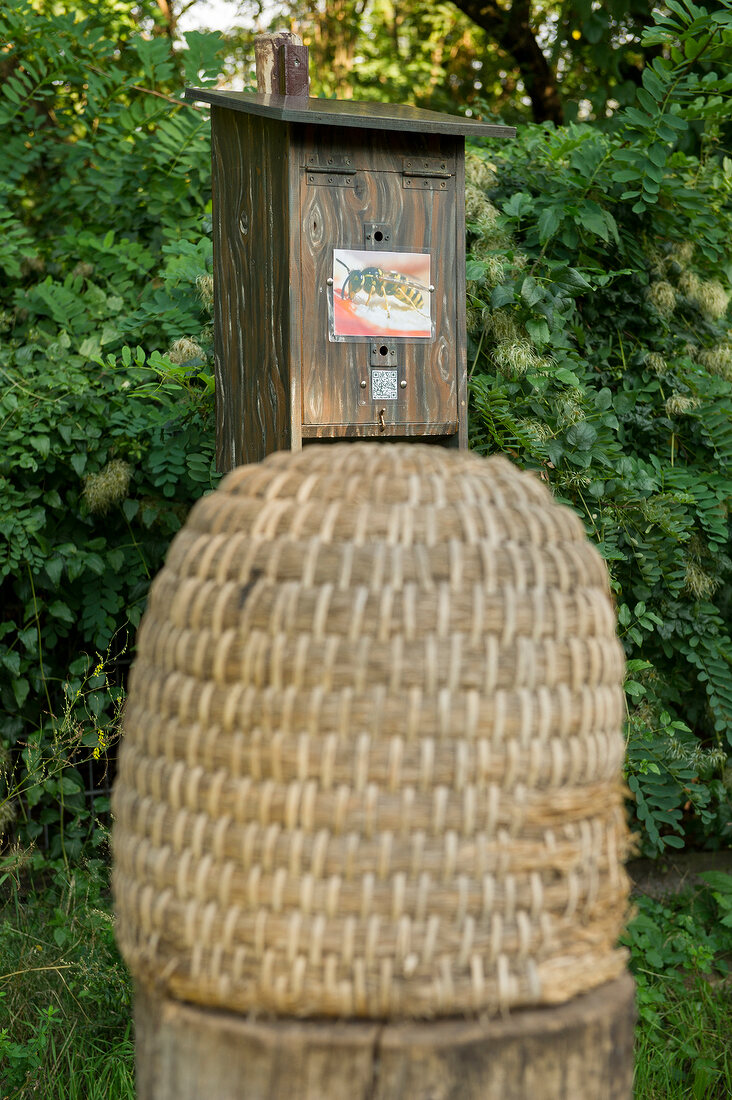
[[371, 764]]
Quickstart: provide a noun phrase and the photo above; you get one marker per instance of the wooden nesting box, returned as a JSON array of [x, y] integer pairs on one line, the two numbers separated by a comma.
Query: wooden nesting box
[[371, 771], [339, 271]]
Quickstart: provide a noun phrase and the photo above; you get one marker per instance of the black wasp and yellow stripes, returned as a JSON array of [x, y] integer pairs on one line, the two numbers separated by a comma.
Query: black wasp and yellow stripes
[[375, 282]]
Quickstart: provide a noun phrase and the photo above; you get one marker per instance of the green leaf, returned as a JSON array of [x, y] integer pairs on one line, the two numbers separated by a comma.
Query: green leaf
[[502, 295], [60, 610], [577, 279], [116, 559], [625, 175], [646, 101], [21, 687], [634, 688], [549, 221], [720, 881], [78, 461], [90, 348], [639, 118], [675, 122], [531, 291], [581, 435], [40, 443], [519, 204], [592, 217], [654, 172], [652, 82], [568, 377], [658, 154], [538, 331], [11, 661], [673, 841], [54, 568]]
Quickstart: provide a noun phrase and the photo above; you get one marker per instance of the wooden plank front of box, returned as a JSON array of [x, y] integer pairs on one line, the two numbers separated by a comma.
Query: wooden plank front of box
[[381, 353]]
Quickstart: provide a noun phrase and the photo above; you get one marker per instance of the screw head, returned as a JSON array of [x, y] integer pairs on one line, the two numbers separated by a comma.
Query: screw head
[[329, 281], [363, 383], [403, 383]]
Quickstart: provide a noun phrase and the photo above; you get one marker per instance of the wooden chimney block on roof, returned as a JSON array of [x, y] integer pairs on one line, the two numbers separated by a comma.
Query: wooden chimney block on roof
[[339, 273]]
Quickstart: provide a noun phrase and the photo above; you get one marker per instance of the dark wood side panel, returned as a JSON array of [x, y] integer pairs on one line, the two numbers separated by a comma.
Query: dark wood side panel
[[250, 157], [461, 335], [334, 216]]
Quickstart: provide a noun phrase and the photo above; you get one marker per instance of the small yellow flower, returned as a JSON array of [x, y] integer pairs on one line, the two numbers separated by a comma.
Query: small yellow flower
[[576, 35], [101, 745]]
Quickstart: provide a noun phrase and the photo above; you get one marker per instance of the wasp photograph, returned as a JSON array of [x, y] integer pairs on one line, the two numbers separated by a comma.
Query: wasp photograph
[[381, 294]]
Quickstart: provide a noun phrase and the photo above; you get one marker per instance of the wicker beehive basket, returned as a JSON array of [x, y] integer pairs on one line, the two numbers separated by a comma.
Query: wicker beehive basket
[[371, 763]]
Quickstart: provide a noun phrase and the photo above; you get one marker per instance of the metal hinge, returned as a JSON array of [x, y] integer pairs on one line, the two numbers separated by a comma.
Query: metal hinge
[[426, 173], [336, 172]]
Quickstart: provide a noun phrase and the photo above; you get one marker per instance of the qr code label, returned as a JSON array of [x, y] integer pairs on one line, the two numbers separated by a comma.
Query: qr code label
[[384, 385]]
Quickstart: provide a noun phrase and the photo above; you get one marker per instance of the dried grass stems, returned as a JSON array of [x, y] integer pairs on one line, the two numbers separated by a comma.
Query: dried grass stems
[[372, 754]]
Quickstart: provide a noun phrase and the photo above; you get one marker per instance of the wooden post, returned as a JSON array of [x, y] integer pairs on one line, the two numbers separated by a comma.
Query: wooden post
[[282, 64], [582, 1050]]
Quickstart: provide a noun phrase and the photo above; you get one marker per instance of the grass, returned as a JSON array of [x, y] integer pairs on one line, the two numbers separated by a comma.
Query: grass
[[680, 951], [65, 996], [686, 1052]]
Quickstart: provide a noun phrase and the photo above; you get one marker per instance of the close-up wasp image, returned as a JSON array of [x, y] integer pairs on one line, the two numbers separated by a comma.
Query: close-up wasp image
[[384, 286]]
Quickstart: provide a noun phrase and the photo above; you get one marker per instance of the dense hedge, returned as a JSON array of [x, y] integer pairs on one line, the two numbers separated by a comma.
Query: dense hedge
[[600, 356], [106, 254]]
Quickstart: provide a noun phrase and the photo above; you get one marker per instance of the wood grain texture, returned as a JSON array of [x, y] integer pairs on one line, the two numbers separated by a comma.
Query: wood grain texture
[[294, 76], [251, 215], [461, 334], [420, 220], [279, 379], [349, 113], [281, 63], [582, 1050]]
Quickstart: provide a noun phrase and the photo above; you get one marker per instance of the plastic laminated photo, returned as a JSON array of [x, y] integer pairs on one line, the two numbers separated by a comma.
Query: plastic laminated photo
[[381, 294]]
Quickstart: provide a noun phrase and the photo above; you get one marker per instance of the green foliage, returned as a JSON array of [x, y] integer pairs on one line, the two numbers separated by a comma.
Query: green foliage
[[675, 93], [105, 312], [65, 996], [600, 357], [679, 953], [546, 59], [428, 54]]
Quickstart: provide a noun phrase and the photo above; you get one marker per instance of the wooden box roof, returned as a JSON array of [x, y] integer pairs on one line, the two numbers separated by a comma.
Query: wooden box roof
[[349, 113]]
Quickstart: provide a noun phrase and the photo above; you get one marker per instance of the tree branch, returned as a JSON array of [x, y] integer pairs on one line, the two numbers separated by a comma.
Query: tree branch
[[511, 29]]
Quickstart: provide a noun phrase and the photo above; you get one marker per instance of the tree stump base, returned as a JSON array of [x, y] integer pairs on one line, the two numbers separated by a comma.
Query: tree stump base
[[582, 1050]]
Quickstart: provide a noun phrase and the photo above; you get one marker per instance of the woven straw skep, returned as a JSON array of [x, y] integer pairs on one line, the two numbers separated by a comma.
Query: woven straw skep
[[372, 752]]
